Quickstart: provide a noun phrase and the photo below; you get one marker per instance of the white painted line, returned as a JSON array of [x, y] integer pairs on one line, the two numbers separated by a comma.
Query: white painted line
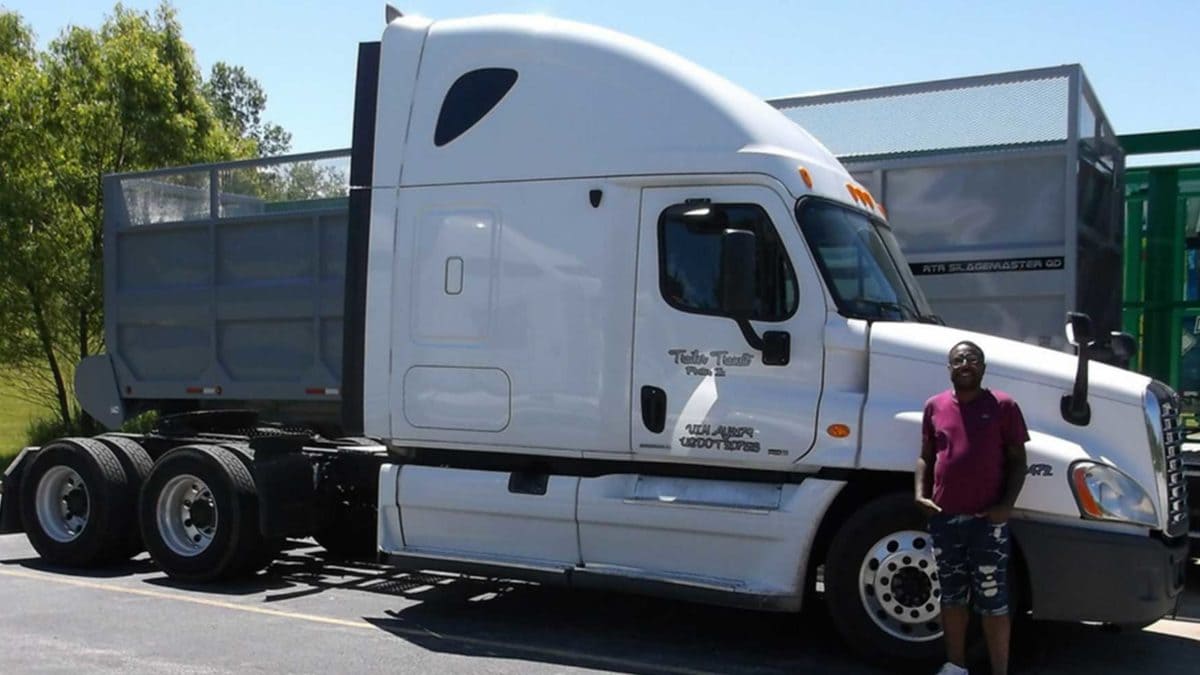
[[187, 598]]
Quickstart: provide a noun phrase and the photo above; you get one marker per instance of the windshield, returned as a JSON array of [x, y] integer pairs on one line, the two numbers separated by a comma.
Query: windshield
[[861, 263]]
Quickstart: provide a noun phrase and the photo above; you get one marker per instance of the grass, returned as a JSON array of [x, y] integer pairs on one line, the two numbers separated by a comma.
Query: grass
[[15, 416], [23, 423]]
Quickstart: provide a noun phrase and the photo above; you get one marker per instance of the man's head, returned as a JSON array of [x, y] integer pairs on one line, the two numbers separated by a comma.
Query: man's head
[[966, 365]]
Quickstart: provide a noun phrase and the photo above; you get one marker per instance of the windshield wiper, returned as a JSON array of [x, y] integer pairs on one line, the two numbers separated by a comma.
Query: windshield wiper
[[880, 306]]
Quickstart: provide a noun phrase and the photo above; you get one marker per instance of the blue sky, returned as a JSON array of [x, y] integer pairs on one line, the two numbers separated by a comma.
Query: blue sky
[[1141, 57]]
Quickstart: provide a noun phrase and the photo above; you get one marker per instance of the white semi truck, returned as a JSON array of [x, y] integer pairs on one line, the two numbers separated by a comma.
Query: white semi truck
[[591, 315]]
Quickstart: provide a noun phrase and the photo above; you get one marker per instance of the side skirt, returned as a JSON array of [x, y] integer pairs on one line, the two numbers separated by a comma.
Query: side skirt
[[582, 577]]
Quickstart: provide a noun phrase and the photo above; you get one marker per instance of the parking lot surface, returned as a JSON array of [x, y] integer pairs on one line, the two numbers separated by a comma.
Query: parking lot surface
[[309, 614]]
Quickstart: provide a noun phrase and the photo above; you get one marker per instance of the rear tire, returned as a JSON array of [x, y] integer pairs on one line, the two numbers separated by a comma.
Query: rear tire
[[263, 549], [74, 500], [199, 515], [136, 463]]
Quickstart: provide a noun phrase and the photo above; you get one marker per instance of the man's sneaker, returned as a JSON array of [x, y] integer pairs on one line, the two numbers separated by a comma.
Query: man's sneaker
[[951, 669]]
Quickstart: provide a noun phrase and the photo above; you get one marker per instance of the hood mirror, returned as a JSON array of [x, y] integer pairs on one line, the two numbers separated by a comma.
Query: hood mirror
[[1124, 347], [1074, 406], [1079, 328]]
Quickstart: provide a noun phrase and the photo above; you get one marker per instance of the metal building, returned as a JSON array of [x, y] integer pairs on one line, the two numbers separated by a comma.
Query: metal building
[[1004, 190]]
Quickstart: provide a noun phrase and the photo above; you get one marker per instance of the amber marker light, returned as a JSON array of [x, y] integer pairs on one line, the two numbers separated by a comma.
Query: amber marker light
[[806, 177], [838, 430], [1079, 476], [853, 193]]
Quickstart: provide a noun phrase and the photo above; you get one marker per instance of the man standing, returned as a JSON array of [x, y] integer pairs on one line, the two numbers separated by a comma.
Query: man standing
[[971, 469]]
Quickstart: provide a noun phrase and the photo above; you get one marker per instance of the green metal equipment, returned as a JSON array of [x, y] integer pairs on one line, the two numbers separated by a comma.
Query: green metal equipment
[[1161, 303]]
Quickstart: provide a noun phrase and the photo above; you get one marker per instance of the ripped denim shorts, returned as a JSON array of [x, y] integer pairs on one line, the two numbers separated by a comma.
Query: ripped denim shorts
[[972, 561]]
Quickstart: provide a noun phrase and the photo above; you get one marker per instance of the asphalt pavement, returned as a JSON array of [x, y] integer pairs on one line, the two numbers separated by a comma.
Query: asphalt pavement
[[310, 614]]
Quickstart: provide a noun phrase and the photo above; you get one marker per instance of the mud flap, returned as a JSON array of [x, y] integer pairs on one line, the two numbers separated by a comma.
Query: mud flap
[[97, 391], [10, 492]]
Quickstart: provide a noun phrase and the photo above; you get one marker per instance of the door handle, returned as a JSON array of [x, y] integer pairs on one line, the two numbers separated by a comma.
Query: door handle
[[528, 482], [654, 408]]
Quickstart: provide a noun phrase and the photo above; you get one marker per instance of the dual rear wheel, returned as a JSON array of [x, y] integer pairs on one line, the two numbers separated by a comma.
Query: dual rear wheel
[[78, 504], [92, 502], [199, 516]]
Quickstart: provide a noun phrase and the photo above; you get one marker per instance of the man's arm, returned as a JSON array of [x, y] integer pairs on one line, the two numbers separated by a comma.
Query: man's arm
[[1014, 480], [924, 477]]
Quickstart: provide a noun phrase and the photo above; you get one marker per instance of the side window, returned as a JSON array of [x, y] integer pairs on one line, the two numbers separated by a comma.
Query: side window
[[469, 99], [690, 237]]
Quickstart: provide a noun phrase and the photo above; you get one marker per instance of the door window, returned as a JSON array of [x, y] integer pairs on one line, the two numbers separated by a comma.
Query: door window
[[690, 239]]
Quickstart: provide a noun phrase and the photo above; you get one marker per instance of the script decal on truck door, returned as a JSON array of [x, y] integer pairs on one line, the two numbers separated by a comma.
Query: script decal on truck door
[[720, 437], [714, 363]]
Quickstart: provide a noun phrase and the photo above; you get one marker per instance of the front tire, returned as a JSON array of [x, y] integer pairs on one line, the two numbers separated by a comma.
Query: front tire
[[199, 515], [881, 583], [74, 496]]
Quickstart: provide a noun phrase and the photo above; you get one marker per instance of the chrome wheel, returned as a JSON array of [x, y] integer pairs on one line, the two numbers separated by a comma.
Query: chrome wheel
[[187, 516], [63, 504], [898, 583]]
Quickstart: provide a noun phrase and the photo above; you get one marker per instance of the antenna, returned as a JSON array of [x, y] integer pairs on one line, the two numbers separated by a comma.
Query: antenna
[[392, 13]]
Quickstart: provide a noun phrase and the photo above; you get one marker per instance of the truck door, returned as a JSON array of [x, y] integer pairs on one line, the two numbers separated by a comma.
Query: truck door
[[728, 333]]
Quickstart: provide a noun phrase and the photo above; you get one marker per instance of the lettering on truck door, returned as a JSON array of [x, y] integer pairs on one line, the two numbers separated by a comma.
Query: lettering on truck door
[[706, 385]]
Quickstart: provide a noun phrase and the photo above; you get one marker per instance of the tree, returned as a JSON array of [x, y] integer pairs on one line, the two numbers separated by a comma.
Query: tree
[[125, 97], [239, 101], [30, 207]]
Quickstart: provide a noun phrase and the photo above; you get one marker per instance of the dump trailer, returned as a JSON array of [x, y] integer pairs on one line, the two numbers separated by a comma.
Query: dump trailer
[[1005, 192], [584, 313]]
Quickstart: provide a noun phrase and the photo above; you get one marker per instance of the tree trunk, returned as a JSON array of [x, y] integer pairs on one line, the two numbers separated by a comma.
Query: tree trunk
[[43, 332], [95, 263], [83, 334]]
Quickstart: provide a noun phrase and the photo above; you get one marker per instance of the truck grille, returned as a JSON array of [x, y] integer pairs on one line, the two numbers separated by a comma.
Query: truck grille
[[1173, 437]]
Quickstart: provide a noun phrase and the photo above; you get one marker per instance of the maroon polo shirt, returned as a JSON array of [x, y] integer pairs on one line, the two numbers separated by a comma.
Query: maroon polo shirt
[[969, 441]]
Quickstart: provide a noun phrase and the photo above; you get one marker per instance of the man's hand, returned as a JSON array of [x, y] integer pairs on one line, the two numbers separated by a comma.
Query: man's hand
[[998, 514], [927, 506]]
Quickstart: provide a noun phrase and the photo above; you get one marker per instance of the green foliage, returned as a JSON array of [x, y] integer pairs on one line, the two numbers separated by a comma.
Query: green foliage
[[34, 217], [42, 430], [287, 182], [16, 40], [124, 97], [142, 424], [15, 415], [239, 101]]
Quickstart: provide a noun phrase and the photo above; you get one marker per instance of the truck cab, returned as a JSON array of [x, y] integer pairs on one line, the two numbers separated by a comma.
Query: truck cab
[[642, 329]]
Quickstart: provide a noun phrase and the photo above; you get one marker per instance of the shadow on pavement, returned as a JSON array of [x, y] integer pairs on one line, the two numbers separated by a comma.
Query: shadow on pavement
[[497, 618], [615, 632], [1079, 648], [142, 565], [1189, 604]]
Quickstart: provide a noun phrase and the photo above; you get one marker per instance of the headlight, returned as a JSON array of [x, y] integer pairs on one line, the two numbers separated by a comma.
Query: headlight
[[1103, 493]]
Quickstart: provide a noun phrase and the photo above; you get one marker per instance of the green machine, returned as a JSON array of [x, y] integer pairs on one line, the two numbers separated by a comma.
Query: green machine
[[1161, 303]]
